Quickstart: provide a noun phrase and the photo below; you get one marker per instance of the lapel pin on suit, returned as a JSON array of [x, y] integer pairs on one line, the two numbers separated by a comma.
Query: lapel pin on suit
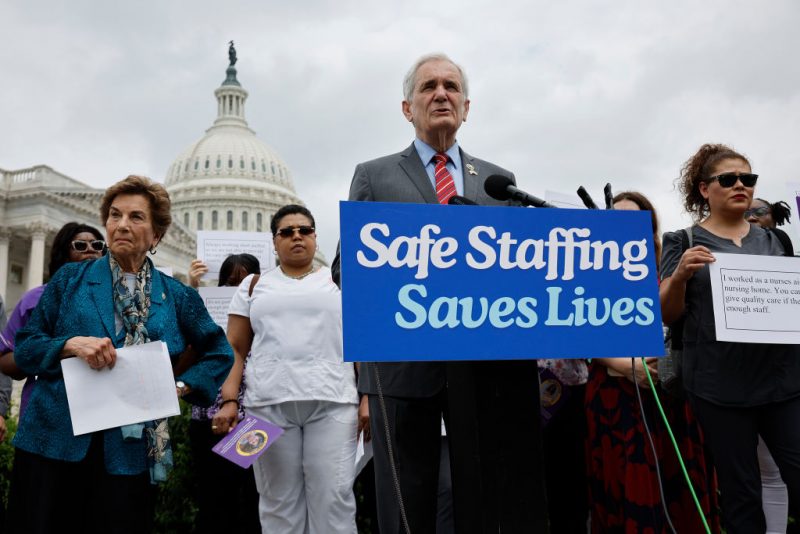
[[471, 169]]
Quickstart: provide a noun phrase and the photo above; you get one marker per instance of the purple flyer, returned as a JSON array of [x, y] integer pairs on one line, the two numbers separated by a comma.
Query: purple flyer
[[247, 441], [552, 395]]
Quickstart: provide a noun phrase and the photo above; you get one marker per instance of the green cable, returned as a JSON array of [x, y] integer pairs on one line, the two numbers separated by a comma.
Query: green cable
[[675, 445]]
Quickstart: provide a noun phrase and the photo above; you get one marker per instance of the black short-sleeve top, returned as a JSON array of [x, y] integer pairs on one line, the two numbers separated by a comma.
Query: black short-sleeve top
[[725, 373]]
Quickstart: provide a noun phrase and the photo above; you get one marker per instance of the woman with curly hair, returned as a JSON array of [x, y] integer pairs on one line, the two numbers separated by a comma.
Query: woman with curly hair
[[739, 391]]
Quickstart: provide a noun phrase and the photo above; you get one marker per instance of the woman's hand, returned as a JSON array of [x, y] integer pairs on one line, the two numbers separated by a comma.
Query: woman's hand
[[692, 261], [95, 351], [622, 367], [8, 366], [363, 419], [225, 419], [196, 271]]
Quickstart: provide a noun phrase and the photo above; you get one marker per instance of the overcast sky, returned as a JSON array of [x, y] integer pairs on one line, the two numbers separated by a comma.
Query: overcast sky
[[563, 93]]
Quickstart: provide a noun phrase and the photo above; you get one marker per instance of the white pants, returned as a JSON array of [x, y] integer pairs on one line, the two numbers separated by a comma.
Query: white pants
[[774, 496], [305, 480]]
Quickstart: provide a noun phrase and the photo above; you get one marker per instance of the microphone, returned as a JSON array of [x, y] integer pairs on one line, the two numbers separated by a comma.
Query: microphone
[[609, 197], [501, 187], [586, 198], [458, 200]]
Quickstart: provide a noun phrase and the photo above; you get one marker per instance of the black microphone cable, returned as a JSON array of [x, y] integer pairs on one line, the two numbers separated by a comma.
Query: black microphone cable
[[678, 453], [390, 451], [609, 202], [652, 443]]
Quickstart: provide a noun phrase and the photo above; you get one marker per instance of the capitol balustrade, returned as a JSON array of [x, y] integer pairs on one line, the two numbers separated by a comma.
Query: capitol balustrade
[[37, 176]]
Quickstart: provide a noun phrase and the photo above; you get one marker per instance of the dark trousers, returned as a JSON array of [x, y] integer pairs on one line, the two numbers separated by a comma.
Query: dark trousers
[[732, 436], [493, 425], [57, 496], [494, 433], [444, 507], [367, 510], [415, 437], [226, 496], [565, 460]]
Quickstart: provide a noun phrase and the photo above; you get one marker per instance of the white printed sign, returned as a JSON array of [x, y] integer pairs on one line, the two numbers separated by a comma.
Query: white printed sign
[[217, 301], [214, 247], [756, 298]]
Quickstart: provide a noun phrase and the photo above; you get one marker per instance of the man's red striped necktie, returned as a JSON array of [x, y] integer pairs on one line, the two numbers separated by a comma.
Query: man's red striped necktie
[[445, 186]]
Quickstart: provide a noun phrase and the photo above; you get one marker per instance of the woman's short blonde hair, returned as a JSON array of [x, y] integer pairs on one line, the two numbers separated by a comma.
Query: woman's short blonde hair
[[157, 196]]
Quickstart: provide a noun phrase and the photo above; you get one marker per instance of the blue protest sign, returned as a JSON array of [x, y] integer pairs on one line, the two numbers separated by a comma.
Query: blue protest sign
[[430, 282]]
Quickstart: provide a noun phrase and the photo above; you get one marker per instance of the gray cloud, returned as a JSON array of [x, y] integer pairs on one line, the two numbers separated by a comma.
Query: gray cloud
[[565, 94]]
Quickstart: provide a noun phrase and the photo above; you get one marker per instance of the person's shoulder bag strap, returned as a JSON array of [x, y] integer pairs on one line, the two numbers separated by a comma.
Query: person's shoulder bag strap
[[253, 283]]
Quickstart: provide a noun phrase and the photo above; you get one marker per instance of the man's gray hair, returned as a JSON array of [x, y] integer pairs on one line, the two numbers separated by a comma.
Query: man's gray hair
[[410, 81]]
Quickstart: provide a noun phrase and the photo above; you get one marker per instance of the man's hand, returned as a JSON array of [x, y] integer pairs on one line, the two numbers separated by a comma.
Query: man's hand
[[2, 428], [363, 419]]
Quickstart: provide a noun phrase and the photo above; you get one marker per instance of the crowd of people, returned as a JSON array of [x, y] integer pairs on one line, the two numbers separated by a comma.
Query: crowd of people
[[614, 456]]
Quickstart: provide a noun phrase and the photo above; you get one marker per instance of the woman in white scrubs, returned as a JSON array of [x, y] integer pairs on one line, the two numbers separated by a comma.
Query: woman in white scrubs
[[288, 323]]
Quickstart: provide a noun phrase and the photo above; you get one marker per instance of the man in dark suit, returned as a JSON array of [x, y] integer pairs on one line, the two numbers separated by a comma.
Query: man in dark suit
[[491, 409]]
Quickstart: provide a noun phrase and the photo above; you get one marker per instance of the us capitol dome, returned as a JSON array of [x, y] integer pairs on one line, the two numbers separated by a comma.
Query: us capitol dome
[[229, 179]]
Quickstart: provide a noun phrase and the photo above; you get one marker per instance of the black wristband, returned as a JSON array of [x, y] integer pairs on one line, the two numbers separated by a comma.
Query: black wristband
[[223, 403]]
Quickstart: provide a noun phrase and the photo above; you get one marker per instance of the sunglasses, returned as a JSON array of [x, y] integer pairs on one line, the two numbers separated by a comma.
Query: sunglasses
[[79, 245], [729, 179], [758, 212], [289, 230]]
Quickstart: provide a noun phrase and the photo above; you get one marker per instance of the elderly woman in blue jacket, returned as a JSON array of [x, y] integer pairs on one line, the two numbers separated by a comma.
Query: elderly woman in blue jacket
[[101, 482]]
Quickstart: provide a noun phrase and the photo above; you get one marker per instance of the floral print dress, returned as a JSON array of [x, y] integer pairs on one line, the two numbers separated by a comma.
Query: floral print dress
[[624, 494]]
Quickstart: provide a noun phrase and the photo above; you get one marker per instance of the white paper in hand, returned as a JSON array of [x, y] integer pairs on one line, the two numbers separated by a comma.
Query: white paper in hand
[[140, 387], [756, 298]]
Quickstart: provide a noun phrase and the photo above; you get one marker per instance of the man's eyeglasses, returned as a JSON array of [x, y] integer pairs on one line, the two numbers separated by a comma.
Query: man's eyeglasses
[[729, 179], [79, 245], [289, 230], [756, 212]]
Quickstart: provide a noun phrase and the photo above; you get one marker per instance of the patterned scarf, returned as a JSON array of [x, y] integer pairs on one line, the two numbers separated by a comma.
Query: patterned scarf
[[133, 309]]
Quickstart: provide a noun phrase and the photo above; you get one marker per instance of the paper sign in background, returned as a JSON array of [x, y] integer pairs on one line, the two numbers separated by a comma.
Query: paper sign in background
[[217, 301], [213, 247]]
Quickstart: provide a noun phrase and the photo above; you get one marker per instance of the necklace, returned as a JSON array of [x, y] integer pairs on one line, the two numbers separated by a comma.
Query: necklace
[[734, 235], [299, 276]]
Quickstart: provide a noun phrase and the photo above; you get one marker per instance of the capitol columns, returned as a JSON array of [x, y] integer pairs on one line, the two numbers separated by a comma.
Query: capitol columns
[[5, 237], [36, 259]]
